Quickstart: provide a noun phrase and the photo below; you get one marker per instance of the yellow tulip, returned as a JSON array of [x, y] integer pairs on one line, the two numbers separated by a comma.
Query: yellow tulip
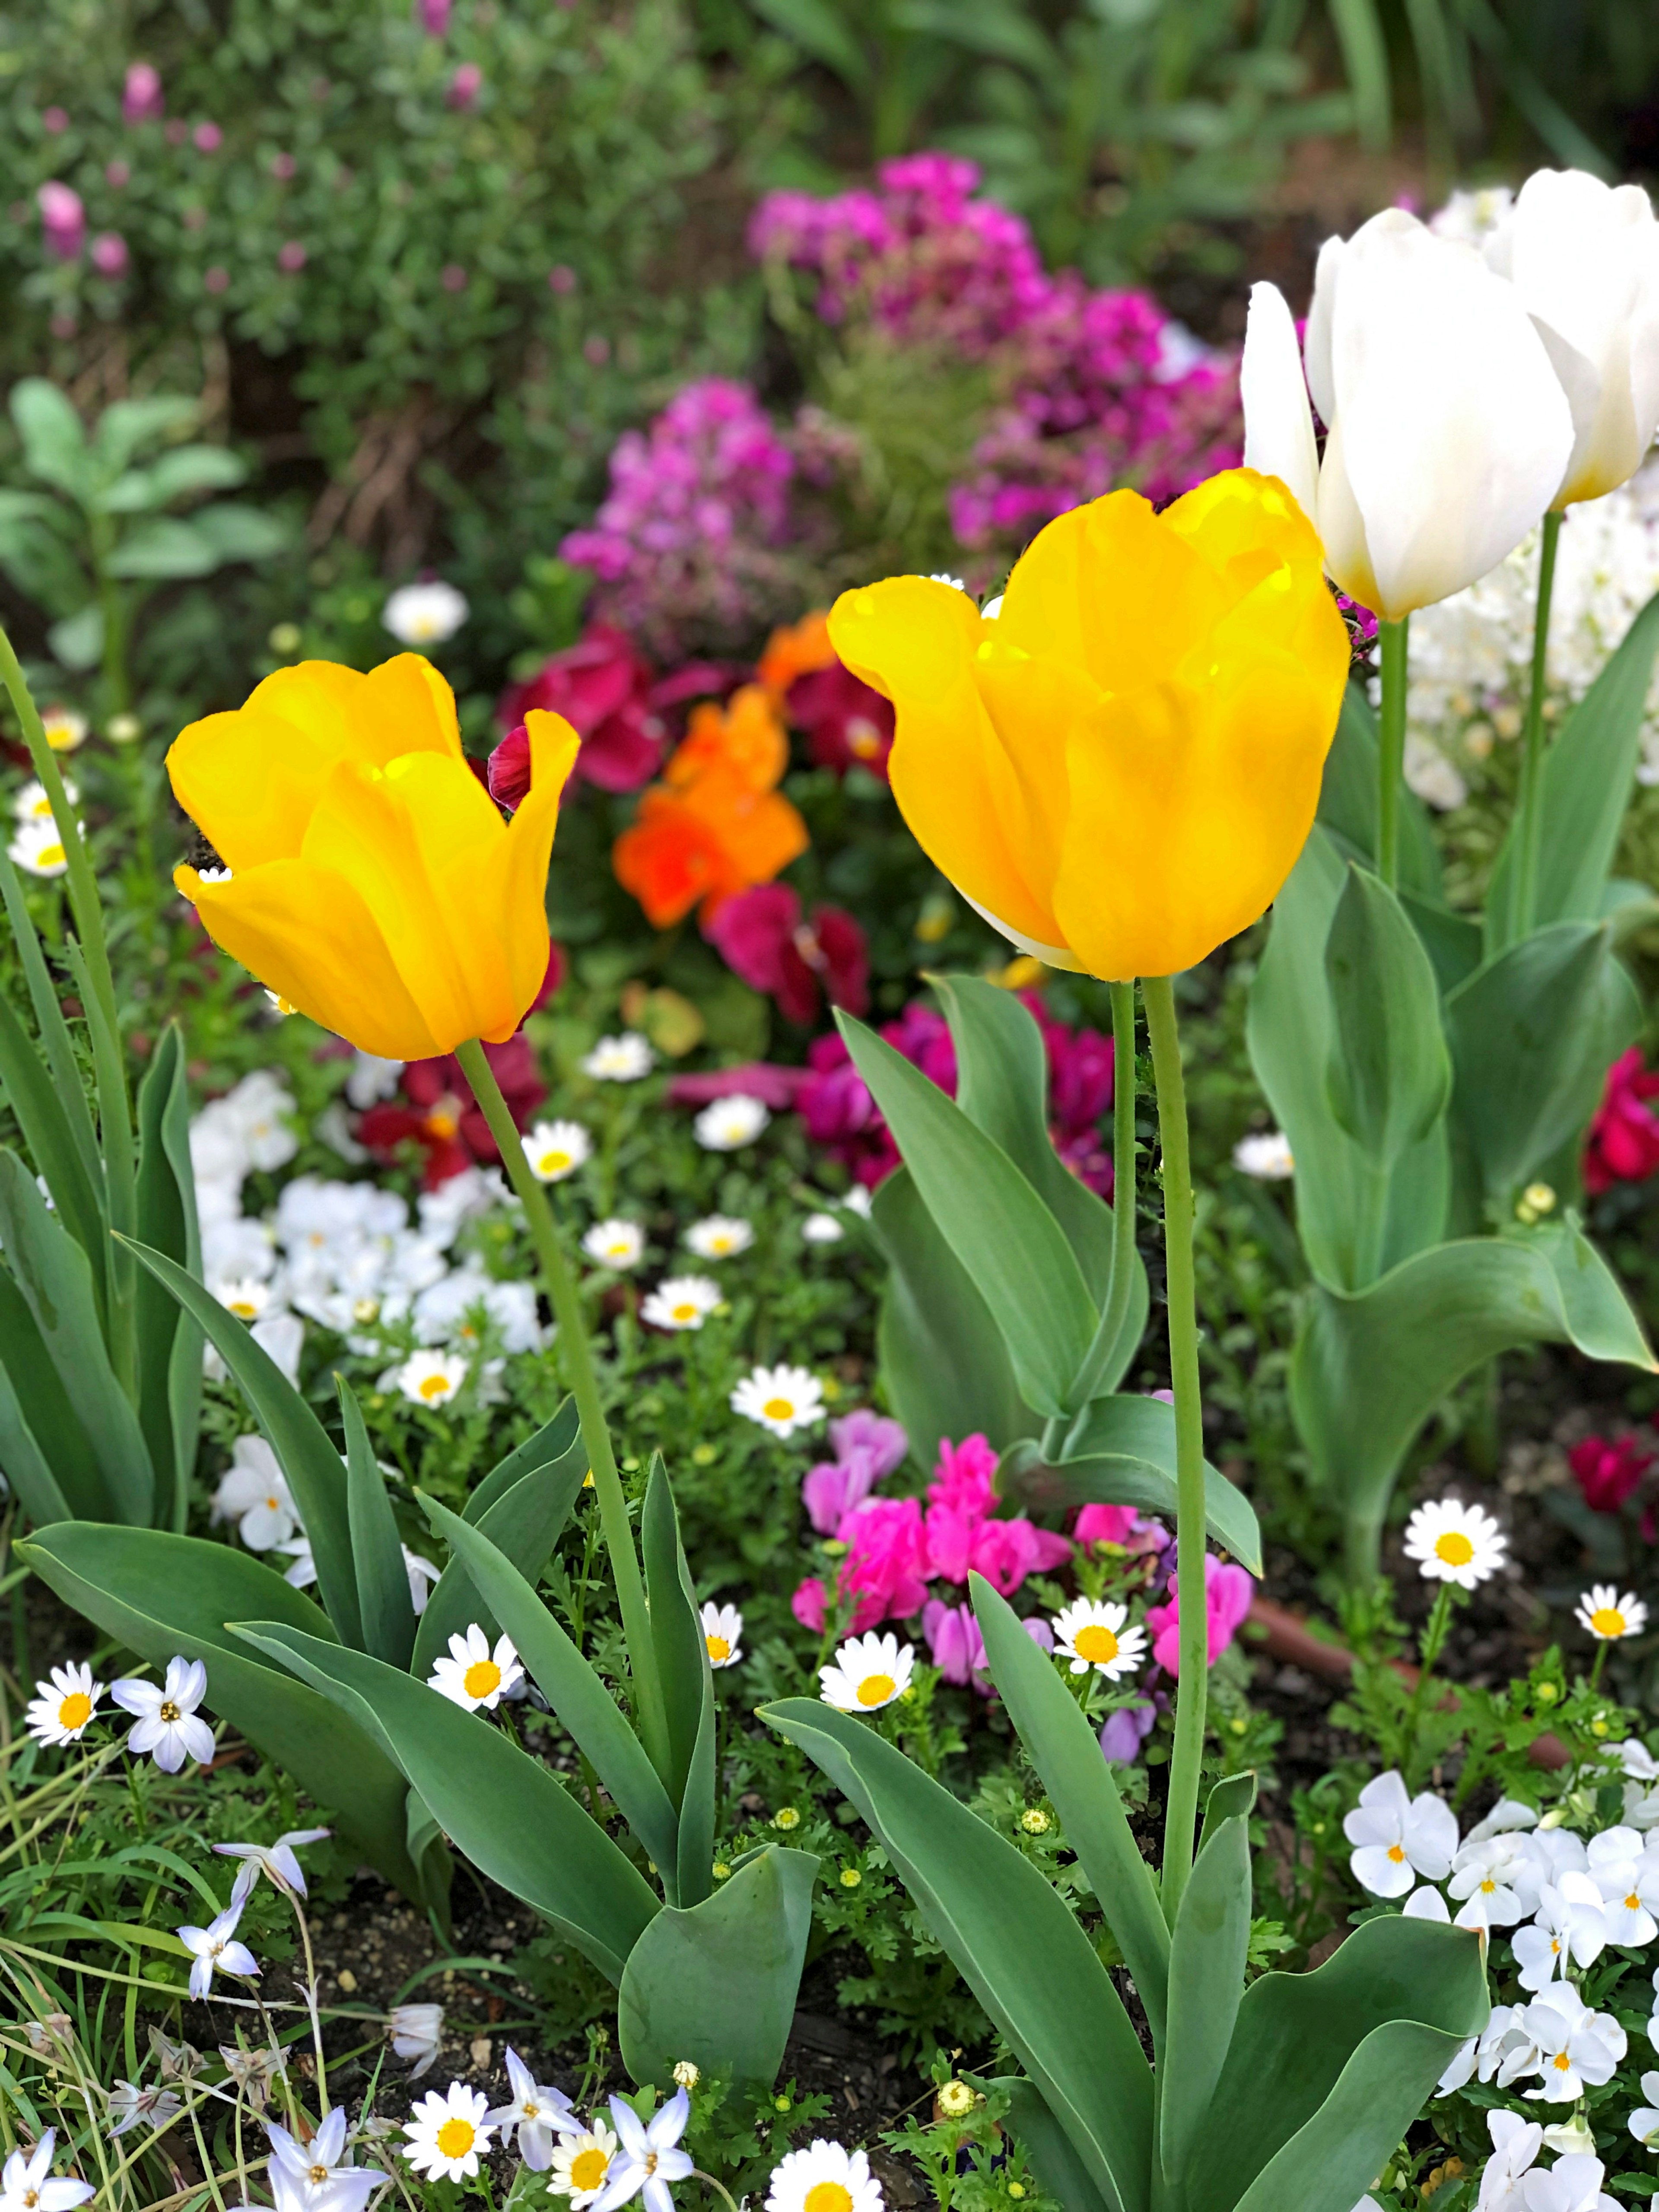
[[368, 877], [1119, 770]]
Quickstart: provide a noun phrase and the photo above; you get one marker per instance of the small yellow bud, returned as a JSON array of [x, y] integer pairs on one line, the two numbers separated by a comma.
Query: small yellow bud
[[850, 1877], [1035, 1820], [956, 2099], [786, 1818]]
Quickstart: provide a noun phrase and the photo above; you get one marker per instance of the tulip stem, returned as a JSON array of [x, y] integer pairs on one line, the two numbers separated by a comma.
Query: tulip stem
[[1192, 1685], [1391, 748], [1530, 828], [576, 1356], [1123, 1205]]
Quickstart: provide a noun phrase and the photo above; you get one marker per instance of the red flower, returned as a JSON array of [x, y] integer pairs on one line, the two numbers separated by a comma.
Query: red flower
[[1607, 1470], [761, 936], [602, 688], [845, 723], [1623, 1145]]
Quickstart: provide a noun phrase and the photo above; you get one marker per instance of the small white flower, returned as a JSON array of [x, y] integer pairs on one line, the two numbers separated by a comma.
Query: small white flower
[[1644, 2120], [1480, 1879], [244, 1296], [415, 2031], [616, 1244], [1576, 2047], [1091, 1634], [721, 1236], [431, 1378], [38, 849], [1426, 1904], [581, 2165], [446, 2133], [316, 2176], [253, 1492], [621, 1058], [868, 1672], [28, 2182], [424, 614], [649, 2158], [536, 2112], [167, 1726], [827, 2177], [129, 2104], [422, 1575], [474, 1675], [1267, 1155], [821, 1229], [63, 1705], [556, 1149], [1397, 1837], [1573, 2138], [65, 730], [1515, 2145], [722, 1632], [727, 1125], [1454, 1543], [681, 1301], [275, 1861], [1628, 1878], [859, 1200], [1431, 775], [31, 804], [1572, 1922], [781, 1399], [216, 1950], [1608, 1616]]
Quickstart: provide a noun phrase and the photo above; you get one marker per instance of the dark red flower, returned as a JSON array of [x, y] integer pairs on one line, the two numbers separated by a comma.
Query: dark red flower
[[437, 1111], [1623, 1145], [762, 936], [835, 1103], [845, 723], [1608, 1469], [602, 687], [1080, 1096]]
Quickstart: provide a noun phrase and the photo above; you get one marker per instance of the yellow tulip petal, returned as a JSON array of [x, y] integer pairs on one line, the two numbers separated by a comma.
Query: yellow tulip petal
[[1033, 701], [517, 892], [406, 707], [307, 934]]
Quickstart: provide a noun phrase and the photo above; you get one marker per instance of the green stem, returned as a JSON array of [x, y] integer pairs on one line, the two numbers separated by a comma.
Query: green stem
[[1192, 1686], [1391, 750], [1530, 826], [1433, 1642], [577, 1356], [1123, 1202]]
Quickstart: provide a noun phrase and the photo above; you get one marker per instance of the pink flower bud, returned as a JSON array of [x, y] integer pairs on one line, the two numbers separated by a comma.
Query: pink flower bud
[[118, 175], [109, 253], [283, 166], [63, 220], [291, 257], [560, 278], [209, 137], [452, 277], [464, 87], [141, 101], [55, 120], [433, 15], [216, 279]]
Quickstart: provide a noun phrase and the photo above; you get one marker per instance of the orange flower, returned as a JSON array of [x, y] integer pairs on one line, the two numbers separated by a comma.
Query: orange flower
[[797, 650], [746, 738]]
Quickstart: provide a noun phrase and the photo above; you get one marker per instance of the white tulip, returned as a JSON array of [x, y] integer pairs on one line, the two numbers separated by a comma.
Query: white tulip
[[1447, 430], [1583, 257]]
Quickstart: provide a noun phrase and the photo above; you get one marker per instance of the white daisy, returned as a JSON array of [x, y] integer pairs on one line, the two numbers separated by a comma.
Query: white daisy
[[721, 1236], [621, 1058], [31, 804], [424, 614], [727, 1125], [868, 1672], [681, 1301], [556, 1149], [64, 729], [167, 1726], [1454, 1543], [430, 1378], [821, 1229], [474, 1675], [581, 2165], [1093, 1634], [446, 2133], [28, 2182], [827, 2177], [244, 1296], [38, 849], [1608, 1616], [722, 1632], [781, 1399], [618, 1244], [63, 1705], [1266, 1156]]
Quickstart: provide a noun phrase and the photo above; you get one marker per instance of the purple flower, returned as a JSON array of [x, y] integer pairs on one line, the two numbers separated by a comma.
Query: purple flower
[[433, 16], [109, 253], [464, 87], [62, 221], [140, 97], [954, 1641], [868, 1448], [1126, 1729], [881, 1440]]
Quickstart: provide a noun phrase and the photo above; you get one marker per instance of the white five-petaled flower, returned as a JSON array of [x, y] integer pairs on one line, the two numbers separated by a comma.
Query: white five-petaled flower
[[317, 2176], [253, 1492], [649, 2157], [424, 614], [1091, 1634], [556, 1149], [216, 1950], [1644, 2120], [1454, 1543], [867, 1673], [474, 1675], [38, 849], [581, 2165], [1480, 1879], [129, 2104], [415, 2031], [618, 1244], [447, 2131], [1397, 1837], [431, 1378], [821, 1229], [167, 1726], [536, 2112], [1571, 1923], [781, 1399], [1607, 1615], [1267, 1155], [720, 1236], [28, 2182], [1577, 2048], [681, 1301], [621, 1058], [64, 1705], [722, 1632], [727, 1125], [1515, 2145], [825, 2177], [1627, 1876], [275, 1861], [245, 1296]]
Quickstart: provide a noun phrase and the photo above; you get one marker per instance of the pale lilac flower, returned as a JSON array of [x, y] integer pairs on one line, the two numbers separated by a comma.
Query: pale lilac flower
[[276, 1861], [167, 1725], [28, 2182], [217, 1951]]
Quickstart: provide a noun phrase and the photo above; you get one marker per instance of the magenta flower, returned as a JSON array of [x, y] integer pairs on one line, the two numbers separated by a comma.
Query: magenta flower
[[561, 278], [884, 1571], [954, 1641], [465, 87], [284, 168], [963, 1537], [141, 96], [1607, 1470], [109, 253], [762, 936], [433, 16], [1228, 1591], [1623, 1145], [208, 137], [62, 221], [603, 688], [291, 257], [55, 121], [867, 1449]]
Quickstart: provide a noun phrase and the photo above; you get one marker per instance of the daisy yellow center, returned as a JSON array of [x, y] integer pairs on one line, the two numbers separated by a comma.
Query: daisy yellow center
[[828, 2196], [433, 1386], [1097, 1644], [778, 1409], [244, 1309], [51, 856], [482, 1676], [1607, 1621], [75, 1710], [685, 1311], [167, 1710], [1454, 1547], [587, 2168], [455, 2137], [876, 1689], [719, 1648], [719, 1243], [555, 1162], [1396, 1854]]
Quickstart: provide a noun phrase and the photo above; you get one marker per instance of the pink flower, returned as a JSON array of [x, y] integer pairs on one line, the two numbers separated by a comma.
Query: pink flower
[[602, 687], [291, 257], [1104, 1524], [962, 1536], [465, 87], [886, 1556], [561, 278], [216, 279], [1623, 1145], [453, 276], [1607, 1470], [55, 120], [1227, 1591], [141, 96], [762, 936], [867, 1435], [109, 253], [118, 175], [433, 16], [284, 168], [208, 137], [62, 221], [848, 724], [954, 1641], [867, 1449]]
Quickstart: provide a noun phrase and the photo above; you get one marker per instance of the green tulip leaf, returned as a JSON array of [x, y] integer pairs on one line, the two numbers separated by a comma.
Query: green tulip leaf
[[45, 1453], [46, 1119], [1207, 1953], [169, 1341], [385, 1606], [1056, 2165], [555, 1440], [680, 1656], [1389, 1074]]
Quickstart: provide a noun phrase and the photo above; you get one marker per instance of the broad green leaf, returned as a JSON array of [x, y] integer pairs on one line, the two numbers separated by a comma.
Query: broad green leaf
[[1012, 1938], [165, 1194], [78, 640], [1066, 1753], [717, 1983], [523, 1523], [1297, 2033], [54, 439], [1389, 1074], [49, 1024], [944, 1364], [238, 533], [313, 1466], [43, 1447], [186, 469], [819, 30], [109, 1069], [159, 1594], [681, 1659], [1347, 800], [515, 1820], [1123, 1453], [128, 426], [1232, 1798], [554, 1440], [1207, 1952], [385, 1608], [55, 1278], [43, 1117], [1058, 2167], [994, 1222], [1589, 775], [161, 549], [575, 1692]]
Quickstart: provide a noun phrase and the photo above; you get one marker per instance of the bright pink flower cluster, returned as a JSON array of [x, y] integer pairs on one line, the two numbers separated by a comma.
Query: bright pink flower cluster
[[1623, 1145], [763, 936], [1228, 1590]]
